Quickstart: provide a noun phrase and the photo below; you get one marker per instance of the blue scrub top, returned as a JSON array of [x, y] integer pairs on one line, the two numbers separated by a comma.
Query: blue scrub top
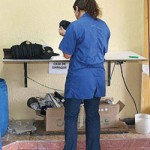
[[86, 40]]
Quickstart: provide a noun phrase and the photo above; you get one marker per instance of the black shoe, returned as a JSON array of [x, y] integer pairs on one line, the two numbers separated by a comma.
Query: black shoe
[[59, 96]]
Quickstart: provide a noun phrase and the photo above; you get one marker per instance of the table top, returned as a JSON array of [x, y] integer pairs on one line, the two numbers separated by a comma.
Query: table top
[[110, 56], [124, 56]]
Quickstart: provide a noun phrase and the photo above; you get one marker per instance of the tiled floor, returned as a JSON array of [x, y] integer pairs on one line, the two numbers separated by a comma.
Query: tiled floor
[[126, 141]]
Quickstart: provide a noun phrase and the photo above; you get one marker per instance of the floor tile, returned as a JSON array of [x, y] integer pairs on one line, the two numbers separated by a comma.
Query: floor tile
[[125, 141]]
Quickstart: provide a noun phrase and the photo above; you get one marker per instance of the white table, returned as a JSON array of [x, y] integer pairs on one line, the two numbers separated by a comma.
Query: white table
[[124, 56], [120, 57], [113, 56]]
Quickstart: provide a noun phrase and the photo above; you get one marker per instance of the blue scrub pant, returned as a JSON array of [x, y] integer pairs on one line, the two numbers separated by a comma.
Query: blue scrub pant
[[92, 121]]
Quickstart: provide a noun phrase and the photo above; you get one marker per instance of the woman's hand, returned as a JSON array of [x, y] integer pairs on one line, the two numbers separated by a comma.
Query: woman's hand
[[67, 56], [62, 31]]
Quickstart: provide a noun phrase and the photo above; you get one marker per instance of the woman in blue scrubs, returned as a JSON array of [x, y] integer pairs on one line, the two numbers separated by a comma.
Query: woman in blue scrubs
[[85, 43]]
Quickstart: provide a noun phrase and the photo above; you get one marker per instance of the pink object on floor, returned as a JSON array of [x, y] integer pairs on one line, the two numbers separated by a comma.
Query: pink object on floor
[[120, 144]]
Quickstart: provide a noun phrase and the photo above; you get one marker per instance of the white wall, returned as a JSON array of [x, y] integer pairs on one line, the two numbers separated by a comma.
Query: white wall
[[38, 21]]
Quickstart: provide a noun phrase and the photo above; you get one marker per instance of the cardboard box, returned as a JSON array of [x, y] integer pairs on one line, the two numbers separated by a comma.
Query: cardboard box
[[109, 115], [55, 119]]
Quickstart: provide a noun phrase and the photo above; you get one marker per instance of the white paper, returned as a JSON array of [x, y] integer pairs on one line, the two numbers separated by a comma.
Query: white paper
[[145, 69], [58, 67]]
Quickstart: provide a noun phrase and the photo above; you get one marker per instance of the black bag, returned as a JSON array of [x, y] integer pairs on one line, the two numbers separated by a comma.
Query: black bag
[[27, 50]]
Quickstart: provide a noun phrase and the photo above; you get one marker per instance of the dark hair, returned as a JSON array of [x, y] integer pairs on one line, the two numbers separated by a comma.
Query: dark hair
[[90, 6]]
